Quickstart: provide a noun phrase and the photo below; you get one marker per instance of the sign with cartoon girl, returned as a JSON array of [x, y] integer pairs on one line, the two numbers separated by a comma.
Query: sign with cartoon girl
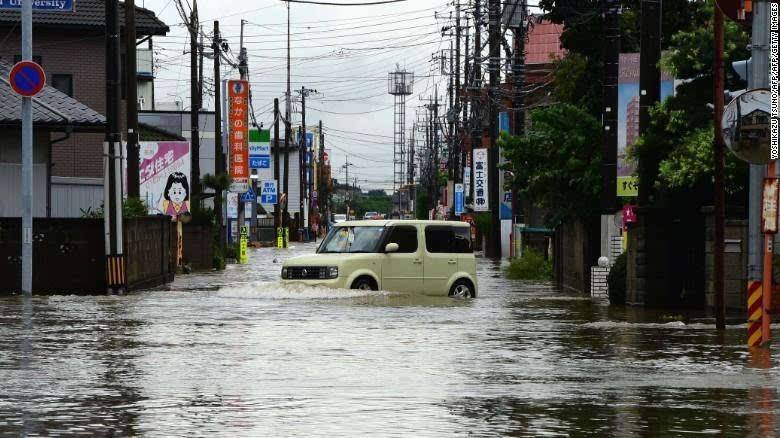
[[165, 177]]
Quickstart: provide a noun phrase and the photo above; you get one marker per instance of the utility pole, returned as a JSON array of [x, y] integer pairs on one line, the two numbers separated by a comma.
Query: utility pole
[[287, 133], [649, 72], [277, 211], [494, 238], [302, 140], [195, 99], [610, 103], [477, 86], [348, 195], [465, 101], [757, 244], [112, 151], [456, 153], [720, 197], [518, 80], [27, 157], [219, 161], [133, 150]]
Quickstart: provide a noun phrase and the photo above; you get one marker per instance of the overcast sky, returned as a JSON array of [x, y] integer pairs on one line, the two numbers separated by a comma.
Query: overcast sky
[[345, 53]]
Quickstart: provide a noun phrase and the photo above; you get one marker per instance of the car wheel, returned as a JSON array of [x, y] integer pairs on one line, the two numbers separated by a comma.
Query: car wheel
[[462, 289], [364, 283]]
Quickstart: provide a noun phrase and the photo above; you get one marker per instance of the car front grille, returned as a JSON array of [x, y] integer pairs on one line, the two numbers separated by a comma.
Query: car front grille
[[307, 273]]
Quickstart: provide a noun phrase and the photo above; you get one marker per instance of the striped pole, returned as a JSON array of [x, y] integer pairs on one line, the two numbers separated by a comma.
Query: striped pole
[[755, 313]]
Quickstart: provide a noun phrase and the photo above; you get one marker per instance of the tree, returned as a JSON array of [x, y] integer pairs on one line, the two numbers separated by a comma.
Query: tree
[[674, 155], [557, 163]]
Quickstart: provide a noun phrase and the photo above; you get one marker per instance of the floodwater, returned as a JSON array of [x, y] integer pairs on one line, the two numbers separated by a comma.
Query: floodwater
[[235, 354]]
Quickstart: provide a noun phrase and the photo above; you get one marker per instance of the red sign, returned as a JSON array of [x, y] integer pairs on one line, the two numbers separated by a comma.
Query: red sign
[[629, 216], [769, 206], [27, 78], [238, 140], [740, 11]]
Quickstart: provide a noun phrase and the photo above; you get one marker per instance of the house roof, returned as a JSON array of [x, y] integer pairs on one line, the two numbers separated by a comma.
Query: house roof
[[89, 14], [51, 108]]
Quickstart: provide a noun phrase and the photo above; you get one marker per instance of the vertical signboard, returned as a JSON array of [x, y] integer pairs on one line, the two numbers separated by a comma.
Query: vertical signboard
[[481, 180], [628, 119], [458, 199], [238, 121], [259, 149]]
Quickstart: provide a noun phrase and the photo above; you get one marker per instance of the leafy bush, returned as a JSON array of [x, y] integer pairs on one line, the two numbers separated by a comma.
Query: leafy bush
[[134, 207], [616, 281], [484, 223], [531, 266]]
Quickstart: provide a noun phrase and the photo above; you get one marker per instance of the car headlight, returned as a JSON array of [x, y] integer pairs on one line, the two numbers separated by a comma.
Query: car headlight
[[333, 272], [284, 272]]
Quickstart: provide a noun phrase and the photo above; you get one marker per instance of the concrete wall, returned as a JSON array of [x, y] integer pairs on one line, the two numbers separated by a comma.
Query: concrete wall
[[11, 172], [72, 197], [575, 252], [735, 264]]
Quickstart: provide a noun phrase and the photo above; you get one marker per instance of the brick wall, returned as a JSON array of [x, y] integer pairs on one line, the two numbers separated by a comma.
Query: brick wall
[[81, 54]]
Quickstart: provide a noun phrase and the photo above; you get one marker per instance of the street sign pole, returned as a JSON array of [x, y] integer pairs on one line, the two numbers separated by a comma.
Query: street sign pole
[[27, 159]]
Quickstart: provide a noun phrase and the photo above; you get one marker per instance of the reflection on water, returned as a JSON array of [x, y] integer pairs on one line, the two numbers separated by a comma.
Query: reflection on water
[[236, 354]]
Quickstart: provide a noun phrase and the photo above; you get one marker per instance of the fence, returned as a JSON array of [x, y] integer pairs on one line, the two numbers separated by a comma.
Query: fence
[[68, 254]]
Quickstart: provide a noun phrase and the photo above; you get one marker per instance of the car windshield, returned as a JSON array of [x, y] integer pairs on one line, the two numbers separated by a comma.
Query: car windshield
[[352, 240], [340, 217]]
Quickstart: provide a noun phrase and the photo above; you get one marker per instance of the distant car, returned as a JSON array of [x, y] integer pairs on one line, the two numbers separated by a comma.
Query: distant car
[[339, 218], [371, 215]]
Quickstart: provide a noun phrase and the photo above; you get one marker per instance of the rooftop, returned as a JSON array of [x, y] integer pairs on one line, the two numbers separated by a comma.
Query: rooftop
[[51, 108], [87, 14]]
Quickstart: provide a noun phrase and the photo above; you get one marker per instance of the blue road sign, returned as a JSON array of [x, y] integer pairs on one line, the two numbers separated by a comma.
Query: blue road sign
[[268, 192], [249, 196], [27, 78], [40, 5], [459, 201]]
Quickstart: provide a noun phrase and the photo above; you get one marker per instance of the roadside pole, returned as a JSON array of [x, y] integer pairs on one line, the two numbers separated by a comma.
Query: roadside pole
[[720, 198], [27, 158], [112, 151]]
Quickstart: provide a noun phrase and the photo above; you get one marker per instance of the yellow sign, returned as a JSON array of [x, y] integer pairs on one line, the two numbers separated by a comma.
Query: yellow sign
[[286, 237], [628, 186], [242, 255], [280, 237]]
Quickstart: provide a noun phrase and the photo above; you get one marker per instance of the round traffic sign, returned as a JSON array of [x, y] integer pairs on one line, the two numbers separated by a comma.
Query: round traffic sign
[[27, 78]]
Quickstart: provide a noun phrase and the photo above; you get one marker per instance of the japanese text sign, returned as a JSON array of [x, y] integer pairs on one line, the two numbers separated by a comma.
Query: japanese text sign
[[481, 199], [238, 120]]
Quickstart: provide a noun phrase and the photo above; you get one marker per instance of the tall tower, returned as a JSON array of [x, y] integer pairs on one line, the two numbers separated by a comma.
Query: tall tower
[[399, 84]]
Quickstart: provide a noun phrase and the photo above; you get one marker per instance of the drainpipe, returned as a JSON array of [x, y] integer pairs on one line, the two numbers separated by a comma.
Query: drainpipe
[[50, 166]]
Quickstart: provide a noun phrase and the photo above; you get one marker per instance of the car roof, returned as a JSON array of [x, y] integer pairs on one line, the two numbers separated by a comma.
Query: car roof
[[387, 223]]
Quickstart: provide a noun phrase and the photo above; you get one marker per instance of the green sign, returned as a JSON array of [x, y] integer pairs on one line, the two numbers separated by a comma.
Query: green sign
[[628, 186]]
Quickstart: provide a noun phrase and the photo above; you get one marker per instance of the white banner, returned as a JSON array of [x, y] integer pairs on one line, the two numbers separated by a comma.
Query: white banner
[[481, 199], [774, 87], [467, 181]]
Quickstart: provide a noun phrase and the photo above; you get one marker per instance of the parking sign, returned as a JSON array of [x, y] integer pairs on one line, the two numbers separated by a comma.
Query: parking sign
[[268, 192]]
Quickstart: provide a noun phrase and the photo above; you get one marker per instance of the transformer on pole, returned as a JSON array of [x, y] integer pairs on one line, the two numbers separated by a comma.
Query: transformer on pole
[[399, 84]]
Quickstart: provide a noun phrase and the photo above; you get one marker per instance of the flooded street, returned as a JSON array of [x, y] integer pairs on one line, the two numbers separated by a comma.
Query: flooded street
[[235, 354]]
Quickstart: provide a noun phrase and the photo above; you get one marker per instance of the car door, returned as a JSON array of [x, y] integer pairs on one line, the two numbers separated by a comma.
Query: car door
[[464, 250], [440, 262], [402, 271]]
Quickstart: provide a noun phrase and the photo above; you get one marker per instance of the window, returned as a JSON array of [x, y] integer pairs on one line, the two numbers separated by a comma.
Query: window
[[352, 239], [462, 241], [438, 239], [405, 237], [63, 83]]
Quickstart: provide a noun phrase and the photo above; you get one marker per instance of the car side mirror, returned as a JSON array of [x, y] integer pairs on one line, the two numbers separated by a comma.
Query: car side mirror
[[391, 247]]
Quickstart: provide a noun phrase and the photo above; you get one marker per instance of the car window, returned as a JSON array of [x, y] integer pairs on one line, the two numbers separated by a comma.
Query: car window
[[405, 237], [352, 239], [462, 241], [438, 239]]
